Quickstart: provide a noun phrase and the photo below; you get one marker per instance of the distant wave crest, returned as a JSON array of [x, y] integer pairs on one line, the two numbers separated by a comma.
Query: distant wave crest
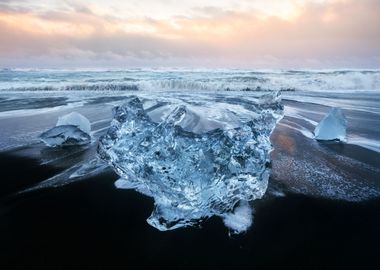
[[205, 80]]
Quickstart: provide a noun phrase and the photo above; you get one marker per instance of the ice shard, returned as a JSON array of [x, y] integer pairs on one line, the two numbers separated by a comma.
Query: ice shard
[[332, 127], [192, 173]]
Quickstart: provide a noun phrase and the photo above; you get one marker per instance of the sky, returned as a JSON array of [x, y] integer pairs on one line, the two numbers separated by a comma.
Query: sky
[[190, 33]]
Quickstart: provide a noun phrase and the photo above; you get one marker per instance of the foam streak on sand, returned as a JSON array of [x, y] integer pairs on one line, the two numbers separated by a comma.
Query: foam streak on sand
[[29, 112], [373, 145]]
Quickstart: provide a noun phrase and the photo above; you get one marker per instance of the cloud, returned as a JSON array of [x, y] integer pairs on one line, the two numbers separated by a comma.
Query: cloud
[[340, 33]]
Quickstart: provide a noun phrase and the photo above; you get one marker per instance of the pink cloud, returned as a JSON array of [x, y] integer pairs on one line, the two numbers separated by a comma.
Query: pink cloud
[[341, 33]]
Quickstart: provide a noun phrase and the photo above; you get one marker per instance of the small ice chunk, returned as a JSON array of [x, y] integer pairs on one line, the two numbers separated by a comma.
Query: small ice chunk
[[332, 127], [241, 219], [75, 119], [65, 135], [71, 129]]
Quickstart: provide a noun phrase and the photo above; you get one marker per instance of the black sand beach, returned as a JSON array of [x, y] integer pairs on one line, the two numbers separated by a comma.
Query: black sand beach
[[92, 225], [321, 209]]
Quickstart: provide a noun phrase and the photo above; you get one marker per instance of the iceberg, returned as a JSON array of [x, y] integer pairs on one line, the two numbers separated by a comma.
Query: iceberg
[[65, 135], [332, 127], [75, 119], [193, 173]]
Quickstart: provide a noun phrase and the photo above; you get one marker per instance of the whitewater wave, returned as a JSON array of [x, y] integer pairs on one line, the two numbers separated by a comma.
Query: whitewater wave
[[78, 87], [190, 80]]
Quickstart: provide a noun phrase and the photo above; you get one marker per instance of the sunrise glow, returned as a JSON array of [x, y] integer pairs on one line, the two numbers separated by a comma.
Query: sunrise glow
[[274, 33]]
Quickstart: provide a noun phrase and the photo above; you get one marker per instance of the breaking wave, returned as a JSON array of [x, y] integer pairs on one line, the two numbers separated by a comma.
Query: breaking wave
[[193, 80]]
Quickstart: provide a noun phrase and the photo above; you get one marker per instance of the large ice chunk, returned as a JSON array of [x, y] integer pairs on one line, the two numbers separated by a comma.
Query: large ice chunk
[[332, 127], [75, 119], [192, 174], [66, 135]]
